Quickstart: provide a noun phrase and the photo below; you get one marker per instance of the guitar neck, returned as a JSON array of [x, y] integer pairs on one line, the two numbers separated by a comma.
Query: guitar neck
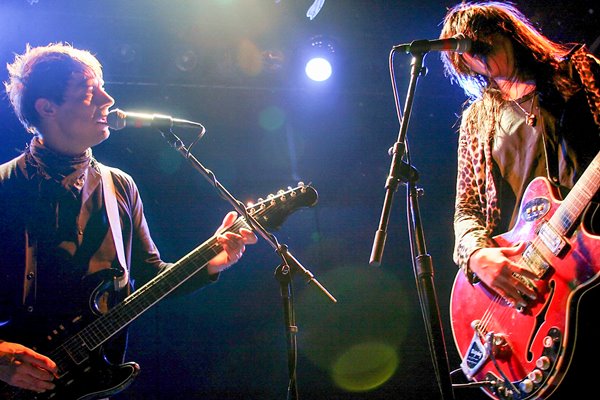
[[269, 212], [567, 215], [117, 318]]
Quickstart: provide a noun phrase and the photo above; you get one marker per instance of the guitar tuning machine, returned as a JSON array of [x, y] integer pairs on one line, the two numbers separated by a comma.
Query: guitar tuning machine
[[281, 195]]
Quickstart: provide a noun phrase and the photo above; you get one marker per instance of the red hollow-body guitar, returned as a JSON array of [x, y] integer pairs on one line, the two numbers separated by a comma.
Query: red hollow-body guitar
[[524, 353]]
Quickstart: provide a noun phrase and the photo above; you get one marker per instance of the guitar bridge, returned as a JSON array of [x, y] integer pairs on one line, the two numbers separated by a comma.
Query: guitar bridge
[[477, 354]]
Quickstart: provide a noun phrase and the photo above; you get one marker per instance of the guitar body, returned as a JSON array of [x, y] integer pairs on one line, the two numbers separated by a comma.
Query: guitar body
[[525, 353], [84, 374], [93, 379]]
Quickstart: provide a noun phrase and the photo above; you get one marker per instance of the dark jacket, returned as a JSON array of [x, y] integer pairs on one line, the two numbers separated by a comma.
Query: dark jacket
[[47, 272]]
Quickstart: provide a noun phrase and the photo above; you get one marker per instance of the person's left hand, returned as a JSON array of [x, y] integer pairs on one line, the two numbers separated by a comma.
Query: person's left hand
[[233, 244]]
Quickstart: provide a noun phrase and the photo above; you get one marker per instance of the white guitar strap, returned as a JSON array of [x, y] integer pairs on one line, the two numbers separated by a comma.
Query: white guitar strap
[[112, 211]]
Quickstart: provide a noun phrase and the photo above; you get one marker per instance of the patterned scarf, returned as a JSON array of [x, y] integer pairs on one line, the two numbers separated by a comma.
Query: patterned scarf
[[69, 172]]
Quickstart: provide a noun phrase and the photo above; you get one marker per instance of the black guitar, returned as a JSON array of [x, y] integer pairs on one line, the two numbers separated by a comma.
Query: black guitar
[[83, 371]]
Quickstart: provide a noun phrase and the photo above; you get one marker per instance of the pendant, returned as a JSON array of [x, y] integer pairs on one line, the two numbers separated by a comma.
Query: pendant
[[531, 119]]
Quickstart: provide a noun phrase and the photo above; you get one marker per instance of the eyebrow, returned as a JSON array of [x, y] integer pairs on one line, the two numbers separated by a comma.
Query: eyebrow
[[87, 81], [84, 76]]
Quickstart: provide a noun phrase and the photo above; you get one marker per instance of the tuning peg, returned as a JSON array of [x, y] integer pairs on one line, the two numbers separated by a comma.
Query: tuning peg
[[281, 194]]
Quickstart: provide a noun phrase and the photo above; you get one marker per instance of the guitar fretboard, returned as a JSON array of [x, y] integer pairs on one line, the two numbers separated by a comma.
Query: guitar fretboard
[[567, 215], [100, 330]]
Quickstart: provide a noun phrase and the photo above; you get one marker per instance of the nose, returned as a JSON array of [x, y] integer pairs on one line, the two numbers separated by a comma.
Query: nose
[[103, 98]]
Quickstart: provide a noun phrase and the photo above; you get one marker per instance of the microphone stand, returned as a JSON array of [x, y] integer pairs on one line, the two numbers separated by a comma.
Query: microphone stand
[[403, 171], [283, 272], [283, 276]]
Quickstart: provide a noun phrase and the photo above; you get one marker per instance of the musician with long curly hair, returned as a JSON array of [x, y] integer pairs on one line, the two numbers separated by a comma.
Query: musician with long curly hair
[[533, 110]]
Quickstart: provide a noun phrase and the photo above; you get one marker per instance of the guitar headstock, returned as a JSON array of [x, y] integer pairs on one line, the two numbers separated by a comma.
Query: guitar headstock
[[274, 210]]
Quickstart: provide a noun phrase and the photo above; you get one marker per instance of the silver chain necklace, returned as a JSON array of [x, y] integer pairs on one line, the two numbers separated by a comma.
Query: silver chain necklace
[[530, 117]]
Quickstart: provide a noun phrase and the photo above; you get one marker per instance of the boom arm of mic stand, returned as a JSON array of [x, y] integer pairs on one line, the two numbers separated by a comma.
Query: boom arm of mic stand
[[296, 266], [282, 250], [283, 272]]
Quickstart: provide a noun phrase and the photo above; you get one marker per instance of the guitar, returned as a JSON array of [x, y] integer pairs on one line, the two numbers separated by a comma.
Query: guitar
[[525, 353], [83, 371]]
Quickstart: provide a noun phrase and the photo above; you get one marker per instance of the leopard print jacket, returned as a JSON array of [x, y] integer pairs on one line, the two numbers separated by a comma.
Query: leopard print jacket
[[476, 208]]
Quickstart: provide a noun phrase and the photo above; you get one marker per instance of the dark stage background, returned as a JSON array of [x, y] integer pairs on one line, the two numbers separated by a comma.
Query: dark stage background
[[269, 128]]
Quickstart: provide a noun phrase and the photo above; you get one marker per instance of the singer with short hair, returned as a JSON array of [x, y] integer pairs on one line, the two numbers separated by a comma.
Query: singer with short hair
[[533, 110], [65, 217]]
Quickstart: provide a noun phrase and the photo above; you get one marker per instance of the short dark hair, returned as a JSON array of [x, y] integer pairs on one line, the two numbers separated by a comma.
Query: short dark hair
[[44, 72]]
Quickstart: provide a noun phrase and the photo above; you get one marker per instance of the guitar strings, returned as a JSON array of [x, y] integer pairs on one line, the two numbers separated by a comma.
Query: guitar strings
[[491, 315], [66, 352], [563, 218]]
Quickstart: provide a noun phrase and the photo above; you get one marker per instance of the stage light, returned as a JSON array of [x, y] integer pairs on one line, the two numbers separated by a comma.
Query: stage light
[[318, 69], [320, 58]]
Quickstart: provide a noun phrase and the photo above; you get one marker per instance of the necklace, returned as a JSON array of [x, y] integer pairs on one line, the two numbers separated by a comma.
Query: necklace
[[530, 117]]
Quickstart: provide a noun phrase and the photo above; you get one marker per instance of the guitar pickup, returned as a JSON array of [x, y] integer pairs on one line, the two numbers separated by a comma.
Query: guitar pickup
[[551, 238], [535, 261], [476, 355]]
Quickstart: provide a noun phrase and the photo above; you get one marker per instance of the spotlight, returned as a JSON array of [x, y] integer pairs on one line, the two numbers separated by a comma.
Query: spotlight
[[318, 69], [320, 58]]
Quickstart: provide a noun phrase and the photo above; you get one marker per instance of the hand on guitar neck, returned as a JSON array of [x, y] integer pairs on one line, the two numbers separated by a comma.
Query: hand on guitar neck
[[234, 245]]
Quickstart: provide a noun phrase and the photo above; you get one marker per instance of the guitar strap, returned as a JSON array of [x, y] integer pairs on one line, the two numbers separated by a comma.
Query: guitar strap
[[551, 155], [112, 211], [585, 65]]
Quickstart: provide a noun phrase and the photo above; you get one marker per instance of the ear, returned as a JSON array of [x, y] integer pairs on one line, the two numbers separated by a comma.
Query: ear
[[45, 108]]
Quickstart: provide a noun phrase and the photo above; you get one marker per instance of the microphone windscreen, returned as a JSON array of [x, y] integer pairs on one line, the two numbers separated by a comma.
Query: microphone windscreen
[[463, 43], [116, 119]]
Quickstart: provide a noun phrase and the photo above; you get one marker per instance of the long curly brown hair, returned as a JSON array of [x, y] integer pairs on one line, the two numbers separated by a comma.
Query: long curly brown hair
[[535, 54]]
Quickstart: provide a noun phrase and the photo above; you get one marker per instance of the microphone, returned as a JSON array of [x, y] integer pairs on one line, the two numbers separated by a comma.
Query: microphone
[[118, 119], [459, 44]]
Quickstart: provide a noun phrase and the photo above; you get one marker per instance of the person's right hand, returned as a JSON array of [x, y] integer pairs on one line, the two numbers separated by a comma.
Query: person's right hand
[[22, 367], [494, 267]]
